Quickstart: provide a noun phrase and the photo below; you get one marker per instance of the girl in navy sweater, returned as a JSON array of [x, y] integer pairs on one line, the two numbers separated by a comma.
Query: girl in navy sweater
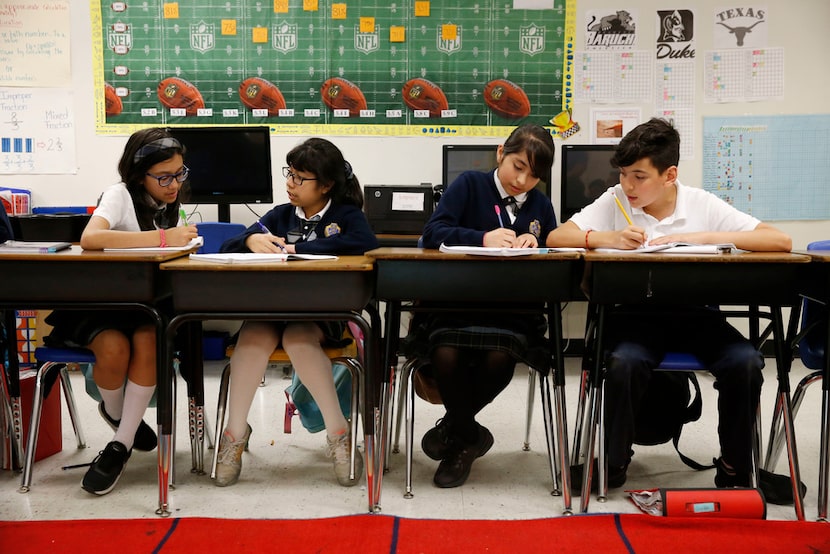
[[473, 355], [323, 216]]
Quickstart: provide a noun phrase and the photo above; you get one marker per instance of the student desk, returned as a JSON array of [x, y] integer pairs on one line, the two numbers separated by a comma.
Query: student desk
[[78, 279], [816, 285], [453, 279], [295, 290], [747, 278]]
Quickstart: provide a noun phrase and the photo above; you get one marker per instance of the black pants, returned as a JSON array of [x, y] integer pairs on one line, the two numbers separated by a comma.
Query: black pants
[[637, 340]]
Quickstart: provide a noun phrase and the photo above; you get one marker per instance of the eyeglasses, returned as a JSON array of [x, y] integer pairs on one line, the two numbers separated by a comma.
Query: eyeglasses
[[167, 180], [296, 179]]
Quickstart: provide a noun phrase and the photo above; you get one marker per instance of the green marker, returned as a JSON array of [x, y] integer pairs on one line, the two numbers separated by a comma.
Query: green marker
[[183, 215]]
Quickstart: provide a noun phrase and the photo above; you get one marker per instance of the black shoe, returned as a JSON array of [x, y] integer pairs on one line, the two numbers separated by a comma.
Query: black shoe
[[106, 469], [145, 438], [616, 477], [455, 467], [777, 488], [436, 442]]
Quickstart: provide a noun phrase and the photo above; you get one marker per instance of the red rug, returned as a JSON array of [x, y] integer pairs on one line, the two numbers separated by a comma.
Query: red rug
[[391, 535]]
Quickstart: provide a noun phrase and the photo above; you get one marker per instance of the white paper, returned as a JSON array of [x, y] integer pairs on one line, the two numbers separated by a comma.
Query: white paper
[[256, 258], [676, 248], [504, 252], [408, 201]]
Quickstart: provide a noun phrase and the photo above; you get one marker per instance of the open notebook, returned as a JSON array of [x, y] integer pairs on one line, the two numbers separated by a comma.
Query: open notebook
[[495, 251], [677, 248], [33, 246], [255, 258]]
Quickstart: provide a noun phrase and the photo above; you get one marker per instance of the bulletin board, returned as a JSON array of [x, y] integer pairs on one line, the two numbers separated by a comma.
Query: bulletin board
[[209, 50]]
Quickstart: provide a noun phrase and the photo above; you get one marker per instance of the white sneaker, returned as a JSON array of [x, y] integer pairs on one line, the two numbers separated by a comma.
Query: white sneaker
[[339, 450], [229, 460]]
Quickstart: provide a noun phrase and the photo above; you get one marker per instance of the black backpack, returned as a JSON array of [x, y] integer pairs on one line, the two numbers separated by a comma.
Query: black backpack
[[666, 407]]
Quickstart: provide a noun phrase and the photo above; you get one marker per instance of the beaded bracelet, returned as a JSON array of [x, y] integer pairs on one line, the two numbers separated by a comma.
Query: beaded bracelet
[[163, 239], [588, 232]]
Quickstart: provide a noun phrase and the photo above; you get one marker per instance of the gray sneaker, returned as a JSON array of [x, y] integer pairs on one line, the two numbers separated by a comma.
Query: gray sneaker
[[229, 459], [339, 450]]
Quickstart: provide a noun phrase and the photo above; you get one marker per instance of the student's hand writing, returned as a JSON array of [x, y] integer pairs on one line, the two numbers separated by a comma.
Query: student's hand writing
[[500, 238], [180, 236], [695, 238], [527, 240], [265, 243], [631, 237]]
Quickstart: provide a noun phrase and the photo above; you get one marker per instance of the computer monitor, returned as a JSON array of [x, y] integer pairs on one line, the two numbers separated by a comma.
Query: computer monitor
[[459, 158], [228, 165], [586, 174]]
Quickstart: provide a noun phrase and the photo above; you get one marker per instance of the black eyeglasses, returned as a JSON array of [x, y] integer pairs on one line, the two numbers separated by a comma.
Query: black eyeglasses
[[167, 180], [296, 179]]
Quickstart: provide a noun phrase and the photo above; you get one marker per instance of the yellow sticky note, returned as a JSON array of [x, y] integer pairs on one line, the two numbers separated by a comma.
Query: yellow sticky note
[[259, 35], [367, 24], [171, 10], [310, 5], [397, 33], [421, 9], [338, 11], [280, 6], [449, 32], [229, 27]]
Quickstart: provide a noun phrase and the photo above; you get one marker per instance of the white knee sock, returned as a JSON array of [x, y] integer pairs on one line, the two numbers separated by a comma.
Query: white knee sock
[[113, 401], [136, 400]]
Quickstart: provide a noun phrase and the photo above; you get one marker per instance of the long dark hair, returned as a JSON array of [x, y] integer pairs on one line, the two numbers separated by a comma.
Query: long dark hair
[[655, 139], [537, 143], [140, 154], [326, 162]]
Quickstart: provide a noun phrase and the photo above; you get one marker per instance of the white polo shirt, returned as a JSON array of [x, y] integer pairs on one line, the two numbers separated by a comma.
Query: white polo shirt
[[696, 210], [116, 206]]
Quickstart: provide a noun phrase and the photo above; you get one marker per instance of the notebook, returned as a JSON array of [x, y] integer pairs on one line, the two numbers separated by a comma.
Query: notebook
[[506, 252], [256, 258], [33, 246]]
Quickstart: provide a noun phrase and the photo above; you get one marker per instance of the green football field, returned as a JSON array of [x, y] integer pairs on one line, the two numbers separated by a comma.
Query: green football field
[[216, 44]]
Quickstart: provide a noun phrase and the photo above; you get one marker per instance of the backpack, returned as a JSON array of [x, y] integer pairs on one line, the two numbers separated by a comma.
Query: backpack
[[666, 407], [300, 402]]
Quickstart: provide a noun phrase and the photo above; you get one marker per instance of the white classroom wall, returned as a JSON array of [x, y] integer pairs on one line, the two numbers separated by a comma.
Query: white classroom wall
[[799, 26]]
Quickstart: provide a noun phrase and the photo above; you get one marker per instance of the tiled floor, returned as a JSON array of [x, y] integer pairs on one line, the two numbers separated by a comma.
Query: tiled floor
[[288, 476]]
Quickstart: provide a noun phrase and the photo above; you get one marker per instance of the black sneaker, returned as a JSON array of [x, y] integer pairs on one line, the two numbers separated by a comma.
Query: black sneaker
[[106, 469], [616, 477], [455, 467], [436, 442], [145, 438], [777, 488]]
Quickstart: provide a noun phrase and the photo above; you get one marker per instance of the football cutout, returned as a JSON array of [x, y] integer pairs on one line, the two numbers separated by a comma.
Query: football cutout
[[112, 103], [340, 94], [421, 94], [260, 94], [506, 99], [175, 92]]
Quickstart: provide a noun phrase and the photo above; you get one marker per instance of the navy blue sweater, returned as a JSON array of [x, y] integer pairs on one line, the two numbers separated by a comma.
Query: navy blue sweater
[[342, 230], [466, 212]]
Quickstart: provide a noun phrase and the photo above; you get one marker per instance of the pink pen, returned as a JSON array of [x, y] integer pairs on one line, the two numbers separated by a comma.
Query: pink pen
[[498, 213]]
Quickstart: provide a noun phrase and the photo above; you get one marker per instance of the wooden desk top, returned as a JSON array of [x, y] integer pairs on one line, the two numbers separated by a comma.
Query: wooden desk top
[[75, 254], [342, 263], [398, 253], [815, 255]]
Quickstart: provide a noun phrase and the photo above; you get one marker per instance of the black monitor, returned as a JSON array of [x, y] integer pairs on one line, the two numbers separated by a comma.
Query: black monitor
[[228, 165], [586, 174], [459, 158]]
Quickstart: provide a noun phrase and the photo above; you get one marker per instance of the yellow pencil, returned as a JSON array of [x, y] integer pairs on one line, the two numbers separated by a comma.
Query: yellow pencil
[[622, 209]]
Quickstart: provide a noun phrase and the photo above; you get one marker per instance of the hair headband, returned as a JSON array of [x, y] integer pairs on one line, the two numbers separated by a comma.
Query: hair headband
[[349, 172], [165, 143]]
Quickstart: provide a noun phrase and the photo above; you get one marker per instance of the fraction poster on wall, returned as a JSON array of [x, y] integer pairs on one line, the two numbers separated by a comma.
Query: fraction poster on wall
[[309, 66]]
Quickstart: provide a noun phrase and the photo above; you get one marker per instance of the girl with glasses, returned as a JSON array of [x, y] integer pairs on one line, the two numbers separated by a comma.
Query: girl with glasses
[[140, 211], [323, 216]]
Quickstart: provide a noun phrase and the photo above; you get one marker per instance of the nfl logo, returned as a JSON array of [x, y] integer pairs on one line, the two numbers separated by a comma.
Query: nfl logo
[[532, 39], [202, 37]]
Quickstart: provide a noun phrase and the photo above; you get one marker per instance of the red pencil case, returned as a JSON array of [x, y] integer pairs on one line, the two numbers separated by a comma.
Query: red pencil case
[[731, 503]]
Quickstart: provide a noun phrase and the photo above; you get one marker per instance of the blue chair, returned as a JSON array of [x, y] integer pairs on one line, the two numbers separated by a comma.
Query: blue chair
[[52, 360]]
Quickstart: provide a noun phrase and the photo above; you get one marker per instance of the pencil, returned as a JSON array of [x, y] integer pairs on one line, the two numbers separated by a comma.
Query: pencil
[[622, 209]]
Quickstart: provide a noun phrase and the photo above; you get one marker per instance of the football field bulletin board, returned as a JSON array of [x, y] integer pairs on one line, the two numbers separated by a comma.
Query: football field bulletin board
[[362, 67]]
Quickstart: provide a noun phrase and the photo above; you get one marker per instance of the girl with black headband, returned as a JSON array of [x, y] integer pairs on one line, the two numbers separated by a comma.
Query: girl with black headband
[[324, 215], [140, 211]]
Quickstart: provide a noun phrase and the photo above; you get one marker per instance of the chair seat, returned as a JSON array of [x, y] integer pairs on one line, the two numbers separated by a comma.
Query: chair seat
[[681, 361], [280, 356], [64, 355]]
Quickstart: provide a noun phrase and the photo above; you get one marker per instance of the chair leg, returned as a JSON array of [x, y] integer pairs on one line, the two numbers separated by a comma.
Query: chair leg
[[562, 465], [580, 427], [220, 416], [356, 370], [792, 455], [66, 385], [602, 456], [824, 449], [410, 424], [34, 425], [531, 384], [403, 390], [776, 443], [591, 424]]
